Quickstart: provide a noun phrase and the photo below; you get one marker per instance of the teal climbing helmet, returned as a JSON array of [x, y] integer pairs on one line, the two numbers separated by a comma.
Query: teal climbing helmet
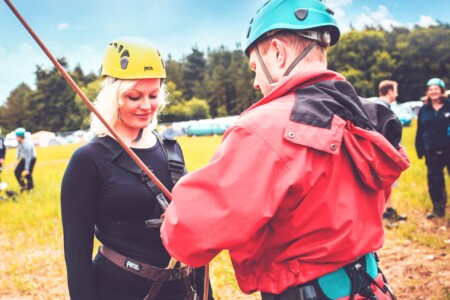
[[312, 18], [436, 81], [20, 132]]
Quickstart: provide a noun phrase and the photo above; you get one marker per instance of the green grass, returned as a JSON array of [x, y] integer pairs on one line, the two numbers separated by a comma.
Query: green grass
[[31, 240]]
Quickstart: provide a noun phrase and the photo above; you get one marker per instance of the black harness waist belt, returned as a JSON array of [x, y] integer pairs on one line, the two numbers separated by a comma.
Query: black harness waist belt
[[142, 269]]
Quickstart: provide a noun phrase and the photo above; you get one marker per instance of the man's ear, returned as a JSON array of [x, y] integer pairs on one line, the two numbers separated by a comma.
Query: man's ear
[[279, 52]]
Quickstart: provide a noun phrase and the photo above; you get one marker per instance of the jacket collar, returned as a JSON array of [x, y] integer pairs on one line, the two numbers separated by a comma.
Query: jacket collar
[[295, 81]]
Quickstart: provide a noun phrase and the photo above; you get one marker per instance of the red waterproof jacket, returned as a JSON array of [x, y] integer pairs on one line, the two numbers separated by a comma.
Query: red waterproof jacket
[[296, 189]]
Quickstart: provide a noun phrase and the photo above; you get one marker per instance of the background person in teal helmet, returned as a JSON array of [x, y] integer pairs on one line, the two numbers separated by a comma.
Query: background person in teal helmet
[[433, 142], [25, 160], [297, 188]]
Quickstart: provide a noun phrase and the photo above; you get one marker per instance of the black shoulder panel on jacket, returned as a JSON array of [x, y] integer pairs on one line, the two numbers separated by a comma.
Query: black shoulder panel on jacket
[[316, 104]]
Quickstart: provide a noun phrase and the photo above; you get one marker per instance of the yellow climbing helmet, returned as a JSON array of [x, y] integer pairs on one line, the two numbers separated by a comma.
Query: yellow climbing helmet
[[132, 58]]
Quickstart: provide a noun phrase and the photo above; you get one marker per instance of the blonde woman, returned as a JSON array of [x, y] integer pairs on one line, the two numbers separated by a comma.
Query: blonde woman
[[104, 193]]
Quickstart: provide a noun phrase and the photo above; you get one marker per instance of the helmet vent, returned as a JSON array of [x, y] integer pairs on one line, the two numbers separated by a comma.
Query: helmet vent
[[120, 49], [124, 59], [124, 63], [125, 53], [301, 14], [248, 31], [330, 11]]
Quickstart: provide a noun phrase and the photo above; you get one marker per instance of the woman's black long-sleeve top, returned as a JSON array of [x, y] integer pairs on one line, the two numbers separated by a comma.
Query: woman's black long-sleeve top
[[433, 129], [96, 191]]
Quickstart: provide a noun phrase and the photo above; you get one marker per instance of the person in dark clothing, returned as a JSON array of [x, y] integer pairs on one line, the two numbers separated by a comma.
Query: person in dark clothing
[[25, 160], [102, 193], [2, 151], [387, 95], [433, 142]]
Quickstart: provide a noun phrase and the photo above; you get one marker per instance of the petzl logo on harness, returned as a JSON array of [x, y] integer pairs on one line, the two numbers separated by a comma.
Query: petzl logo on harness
[[132, 265]]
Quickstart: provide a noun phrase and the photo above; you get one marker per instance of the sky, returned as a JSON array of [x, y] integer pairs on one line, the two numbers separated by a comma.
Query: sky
[[79, 30]]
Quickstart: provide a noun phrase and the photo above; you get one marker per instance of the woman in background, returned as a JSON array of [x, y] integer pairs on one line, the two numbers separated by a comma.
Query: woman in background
[[433, 142]]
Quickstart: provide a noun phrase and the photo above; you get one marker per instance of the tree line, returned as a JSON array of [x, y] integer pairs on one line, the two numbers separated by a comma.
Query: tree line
[[219, 82]]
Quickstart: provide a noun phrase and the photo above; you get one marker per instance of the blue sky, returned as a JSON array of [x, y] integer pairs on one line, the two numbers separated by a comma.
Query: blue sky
[[80, 30]]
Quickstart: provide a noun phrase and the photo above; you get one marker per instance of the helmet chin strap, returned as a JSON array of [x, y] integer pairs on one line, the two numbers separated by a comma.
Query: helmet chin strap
[[291, 66], [264, 68], [300, 57], [139, 136]]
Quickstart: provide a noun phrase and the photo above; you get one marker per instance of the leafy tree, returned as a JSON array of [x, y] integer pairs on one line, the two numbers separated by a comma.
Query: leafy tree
[[192, 71], [51, 106], [186, 110], [15, 111], [228, 82], [242, 78], [359, 81], [382, 69], [422, 54], [174, 71], [197, 109], [216, 85], [355, 55], [81, 115]]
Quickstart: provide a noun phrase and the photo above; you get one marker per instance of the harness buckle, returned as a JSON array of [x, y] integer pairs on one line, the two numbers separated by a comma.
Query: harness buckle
[[162, 201], [144, 177], [175, 166], [375, 255], [176, 170], [153, 223]]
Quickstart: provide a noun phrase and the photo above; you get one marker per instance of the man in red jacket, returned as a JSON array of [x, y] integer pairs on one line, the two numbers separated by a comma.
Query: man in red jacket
[[296, 190]]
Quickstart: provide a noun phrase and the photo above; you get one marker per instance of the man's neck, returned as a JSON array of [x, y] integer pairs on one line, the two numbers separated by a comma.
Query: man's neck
[[386, 99], [309, 66]]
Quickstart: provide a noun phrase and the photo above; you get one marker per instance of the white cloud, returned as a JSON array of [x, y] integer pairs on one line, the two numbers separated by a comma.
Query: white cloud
[[62, 26], [381, 17], [426, 21], [339, 12], [338, 3]]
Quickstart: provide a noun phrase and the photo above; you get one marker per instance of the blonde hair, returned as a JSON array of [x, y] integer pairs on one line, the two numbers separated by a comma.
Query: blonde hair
[[109, 100]]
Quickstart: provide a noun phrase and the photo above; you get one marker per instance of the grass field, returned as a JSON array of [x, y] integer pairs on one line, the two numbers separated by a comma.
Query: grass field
[[31, 245]]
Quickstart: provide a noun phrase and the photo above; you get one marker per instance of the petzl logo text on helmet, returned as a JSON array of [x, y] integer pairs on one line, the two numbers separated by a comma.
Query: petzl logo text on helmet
[[132, 265], [148, 68]]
